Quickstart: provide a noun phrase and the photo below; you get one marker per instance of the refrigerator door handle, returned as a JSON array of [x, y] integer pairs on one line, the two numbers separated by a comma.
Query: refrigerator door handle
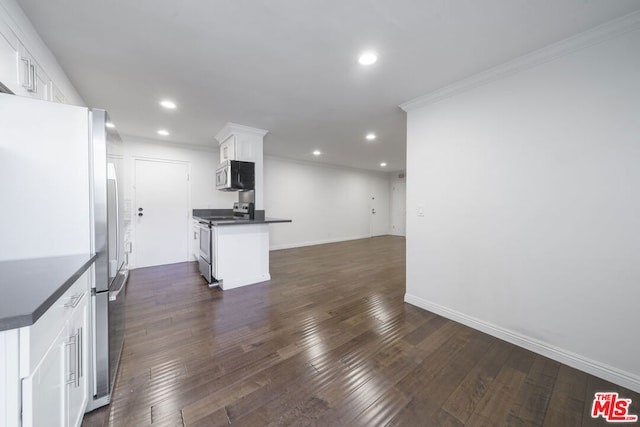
[[111, 174], [113, 295]]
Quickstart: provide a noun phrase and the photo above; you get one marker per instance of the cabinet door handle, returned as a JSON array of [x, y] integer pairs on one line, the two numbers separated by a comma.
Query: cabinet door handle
[[73, 376], [74, 301], [27, 84], [81, 354], [34, 79], [78, 356]]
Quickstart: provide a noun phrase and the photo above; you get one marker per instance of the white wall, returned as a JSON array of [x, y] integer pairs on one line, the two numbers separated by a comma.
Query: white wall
[[531, 191], [326, 203], [202, 162]]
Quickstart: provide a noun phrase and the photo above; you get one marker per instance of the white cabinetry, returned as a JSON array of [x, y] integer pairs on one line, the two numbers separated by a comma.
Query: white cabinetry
[[50, 359], [43, 391], [76, 384], [241, 255], [195, 239], [244, 143], [228, 149], [20, 72], [235, 147], [32, 78], [9, 59]]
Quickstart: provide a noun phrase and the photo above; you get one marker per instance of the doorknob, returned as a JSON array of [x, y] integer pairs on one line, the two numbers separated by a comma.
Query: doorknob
[[139, 209], [140, 214]]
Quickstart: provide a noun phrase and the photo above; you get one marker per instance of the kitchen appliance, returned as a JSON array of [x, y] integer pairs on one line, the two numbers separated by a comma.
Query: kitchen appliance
[[108, 295], [207, 259], [243, 210], [61, 168], [235, 175]]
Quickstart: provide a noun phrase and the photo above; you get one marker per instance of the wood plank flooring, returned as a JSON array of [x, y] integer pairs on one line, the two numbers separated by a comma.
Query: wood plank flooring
[[327, 342]]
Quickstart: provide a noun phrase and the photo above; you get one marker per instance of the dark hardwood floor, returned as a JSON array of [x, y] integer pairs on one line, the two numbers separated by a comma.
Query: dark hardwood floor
[[327, 342]]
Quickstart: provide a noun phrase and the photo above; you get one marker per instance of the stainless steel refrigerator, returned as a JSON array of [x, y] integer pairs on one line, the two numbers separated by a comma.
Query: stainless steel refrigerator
[[61, 170], [108, 295]]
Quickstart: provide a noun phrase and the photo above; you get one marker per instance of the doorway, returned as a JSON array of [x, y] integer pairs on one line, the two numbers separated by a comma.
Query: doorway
[[161, 212], [379, 210], [398, 207]]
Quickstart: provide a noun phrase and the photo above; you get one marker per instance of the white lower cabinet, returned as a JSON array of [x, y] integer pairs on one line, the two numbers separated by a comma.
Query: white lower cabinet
[[241, 254], [76, 363], [43, 391], [50, 358], [195, 241]]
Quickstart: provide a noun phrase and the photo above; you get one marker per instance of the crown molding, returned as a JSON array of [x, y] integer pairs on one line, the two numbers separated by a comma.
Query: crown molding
[[606, 31], [181, 145], [322, 165], [234, 128]]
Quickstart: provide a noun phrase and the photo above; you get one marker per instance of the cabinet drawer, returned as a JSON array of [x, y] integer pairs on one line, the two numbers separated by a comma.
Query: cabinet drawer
[[36, 339]]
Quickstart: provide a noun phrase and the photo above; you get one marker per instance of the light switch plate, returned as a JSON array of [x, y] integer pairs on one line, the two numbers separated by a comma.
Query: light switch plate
[[420, 210]]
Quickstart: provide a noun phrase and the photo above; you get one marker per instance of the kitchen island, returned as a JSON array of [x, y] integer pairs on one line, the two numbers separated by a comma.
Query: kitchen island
[[234, 252]]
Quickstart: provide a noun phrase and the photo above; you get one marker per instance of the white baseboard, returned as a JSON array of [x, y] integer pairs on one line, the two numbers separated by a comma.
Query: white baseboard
[[609, 373], [315, 242], [245, 281]]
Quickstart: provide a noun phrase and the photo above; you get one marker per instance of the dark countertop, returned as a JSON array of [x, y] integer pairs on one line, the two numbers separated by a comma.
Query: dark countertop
[[223, 222], [29, 287]]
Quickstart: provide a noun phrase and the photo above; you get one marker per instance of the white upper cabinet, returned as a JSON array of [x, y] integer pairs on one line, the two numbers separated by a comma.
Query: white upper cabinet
[[238, 142], [9, 59], [57, 95], [228, 149], [33, 79], [20, 71], [235, 147]]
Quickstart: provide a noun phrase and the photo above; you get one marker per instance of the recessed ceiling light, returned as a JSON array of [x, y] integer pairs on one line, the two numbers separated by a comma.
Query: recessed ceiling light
[[163, 132], [170, 105], [110, 125], [383, 165], [368, 58], [316, 152], [370, 136]]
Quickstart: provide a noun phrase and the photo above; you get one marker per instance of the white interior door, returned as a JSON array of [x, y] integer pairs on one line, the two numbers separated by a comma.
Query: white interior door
[[398, 208], [161, 212], [379, 213]]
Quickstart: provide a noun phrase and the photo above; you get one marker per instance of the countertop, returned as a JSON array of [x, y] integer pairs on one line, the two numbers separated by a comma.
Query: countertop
[[224, 222], [29, 287]]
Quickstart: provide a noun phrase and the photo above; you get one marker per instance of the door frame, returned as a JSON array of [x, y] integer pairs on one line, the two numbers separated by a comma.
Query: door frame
[[401, 206], [134, 190], [375, 192]]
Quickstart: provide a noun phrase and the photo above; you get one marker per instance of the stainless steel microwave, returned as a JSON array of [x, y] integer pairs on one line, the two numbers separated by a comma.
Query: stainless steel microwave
[[234, 175]]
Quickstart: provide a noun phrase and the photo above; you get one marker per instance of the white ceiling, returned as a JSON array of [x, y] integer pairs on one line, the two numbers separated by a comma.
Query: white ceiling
[[290, 66]]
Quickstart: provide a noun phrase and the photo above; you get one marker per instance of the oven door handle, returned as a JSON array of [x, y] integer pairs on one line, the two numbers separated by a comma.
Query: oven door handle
[[113, 295]]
